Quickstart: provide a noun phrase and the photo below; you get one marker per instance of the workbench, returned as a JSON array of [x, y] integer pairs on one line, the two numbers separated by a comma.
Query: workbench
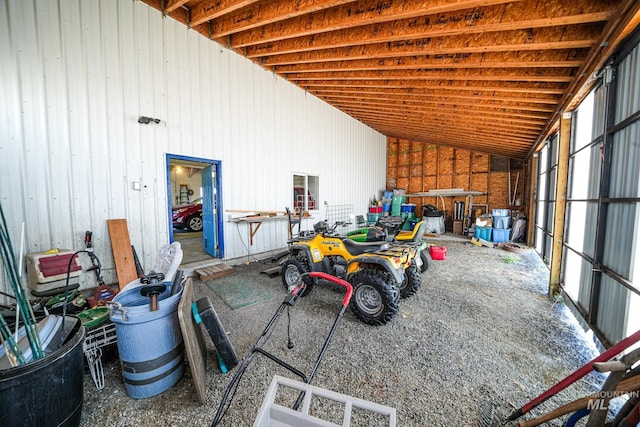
[[255, 222]]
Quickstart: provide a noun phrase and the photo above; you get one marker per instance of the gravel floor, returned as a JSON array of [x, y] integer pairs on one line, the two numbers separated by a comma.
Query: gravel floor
[[479, 333]]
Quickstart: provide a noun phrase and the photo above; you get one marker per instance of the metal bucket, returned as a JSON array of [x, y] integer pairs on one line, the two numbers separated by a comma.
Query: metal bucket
[[149, 342]]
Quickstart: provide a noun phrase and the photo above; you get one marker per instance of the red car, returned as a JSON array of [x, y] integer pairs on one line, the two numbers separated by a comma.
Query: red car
[[188, 216]]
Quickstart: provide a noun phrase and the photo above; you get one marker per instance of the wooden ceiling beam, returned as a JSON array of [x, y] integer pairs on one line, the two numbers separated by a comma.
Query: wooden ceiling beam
[[460, 136], [441, 104], [431, 138], [172, 5], [433, 115], [401, 100], [480, 94], [502, 149], [351, 14], [481, 20], [486, 137], [485, 131], [505, 41], [433, 101], [515, 87], [475, 136], [428, 95], [413, 125], [267, 13], [550, 75], [444, 117], [207, 10], [564, 58]]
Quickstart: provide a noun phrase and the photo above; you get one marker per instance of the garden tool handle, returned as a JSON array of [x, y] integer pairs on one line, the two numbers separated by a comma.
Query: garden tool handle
[[576, 375], [338, 281]]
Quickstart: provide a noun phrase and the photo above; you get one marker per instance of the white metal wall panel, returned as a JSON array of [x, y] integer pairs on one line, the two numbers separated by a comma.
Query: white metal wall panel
[[76, 75], [592, 206], [625, 173], [614, 309], [586, 276], [599, 106], [628, 94]]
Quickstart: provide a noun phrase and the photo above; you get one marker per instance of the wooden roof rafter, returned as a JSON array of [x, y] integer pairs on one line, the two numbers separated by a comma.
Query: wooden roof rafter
[[427, 70]]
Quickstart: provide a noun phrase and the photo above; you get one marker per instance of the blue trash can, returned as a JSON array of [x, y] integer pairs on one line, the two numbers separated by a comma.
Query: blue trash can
[[149, 342]]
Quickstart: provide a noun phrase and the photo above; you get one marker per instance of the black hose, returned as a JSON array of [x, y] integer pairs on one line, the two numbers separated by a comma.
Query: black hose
[[66, 291]]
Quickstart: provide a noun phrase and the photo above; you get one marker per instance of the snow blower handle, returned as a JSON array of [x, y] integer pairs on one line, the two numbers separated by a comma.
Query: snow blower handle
[[337, 281]]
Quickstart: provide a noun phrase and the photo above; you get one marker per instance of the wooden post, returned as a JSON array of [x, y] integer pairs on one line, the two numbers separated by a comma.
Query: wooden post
[[533, 190], [564, 142]]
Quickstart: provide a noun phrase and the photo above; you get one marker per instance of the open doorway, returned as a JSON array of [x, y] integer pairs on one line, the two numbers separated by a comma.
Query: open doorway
[[194, 195]]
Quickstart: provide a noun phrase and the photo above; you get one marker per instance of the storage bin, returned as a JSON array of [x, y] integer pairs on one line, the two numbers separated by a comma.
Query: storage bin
[[501, 235], [483, 233], [372, 218], [149, 342], [438, 253], [500, 212], [396, 205], [408, 208], [501, 222], [375, 209]]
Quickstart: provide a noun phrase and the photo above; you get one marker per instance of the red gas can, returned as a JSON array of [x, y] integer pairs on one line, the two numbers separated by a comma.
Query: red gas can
[[438, 253]]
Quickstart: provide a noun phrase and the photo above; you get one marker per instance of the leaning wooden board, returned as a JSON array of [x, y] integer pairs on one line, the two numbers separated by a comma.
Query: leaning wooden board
[[193, 341], [122, 252]]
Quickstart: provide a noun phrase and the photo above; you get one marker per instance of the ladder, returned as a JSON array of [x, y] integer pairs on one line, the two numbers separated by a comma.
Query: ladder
[[183, 195]]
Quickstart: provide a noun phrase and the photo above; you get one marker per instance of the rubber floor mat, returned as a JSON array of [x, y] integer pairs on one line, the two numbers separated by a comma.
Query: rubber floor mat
[[237, 292]]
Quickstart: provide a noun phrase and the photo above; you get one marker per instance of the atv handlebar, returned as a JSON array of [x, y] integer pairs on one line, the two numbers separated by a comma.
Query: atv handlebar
[[338, 281]]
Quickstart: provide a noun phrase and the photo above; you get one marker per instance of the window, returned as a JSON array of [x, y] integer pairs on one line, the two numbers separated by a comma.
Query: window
[[305, 192]]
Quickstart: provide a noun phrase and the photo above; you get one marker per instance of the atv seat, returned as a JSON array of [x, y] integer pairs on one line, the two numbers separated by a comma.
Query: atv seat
[[358, 248], [414, 235]]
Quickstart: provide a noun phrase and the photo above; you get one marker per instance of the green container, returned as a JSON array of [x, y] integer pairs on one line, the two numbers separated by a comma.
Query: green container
[[396, 205]]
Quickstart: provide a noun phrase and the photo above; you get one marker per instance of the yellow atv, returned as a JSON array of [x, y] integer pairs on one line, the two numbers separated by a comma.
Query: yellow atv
[[380, 272]]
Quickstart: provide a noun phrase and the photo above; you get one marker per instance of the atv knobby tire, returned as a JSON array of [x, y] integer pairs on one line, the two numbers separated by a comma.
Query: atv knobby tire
[[411, 283], [426, 259], [292, 268], [375, 300]]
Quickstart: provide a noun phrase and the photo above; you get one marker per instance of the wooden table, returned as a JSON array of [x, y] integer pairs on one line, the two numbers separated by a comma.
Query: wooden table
[[255, 222]]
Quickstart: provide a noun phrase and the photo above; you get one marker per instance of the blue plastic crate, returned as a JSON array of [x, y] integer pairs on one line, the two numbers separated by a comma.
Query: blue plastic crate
[[501, 235], [501, 222], [500, 212], [483, 233]]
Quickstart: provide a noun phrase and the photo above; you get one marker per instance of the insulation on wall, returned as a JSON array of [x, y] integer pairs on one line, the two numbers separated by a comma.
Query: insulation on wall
[[417, 167]]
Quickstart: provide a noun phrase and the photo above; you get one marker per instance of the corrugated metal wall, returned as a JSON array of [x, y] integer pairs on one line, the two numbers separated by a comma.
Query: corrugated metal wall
[[545, 198], [76, 75], [606, 257]]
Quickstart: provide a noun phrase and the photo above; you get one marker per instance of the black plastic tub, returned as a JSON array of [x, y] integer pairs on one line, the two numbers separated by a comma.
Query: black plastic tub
[[48, 391]]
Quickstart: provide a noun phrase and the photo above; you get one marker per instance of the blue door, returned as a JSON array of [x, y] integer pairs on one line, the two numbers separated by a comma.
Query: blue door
[[209, 210]]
